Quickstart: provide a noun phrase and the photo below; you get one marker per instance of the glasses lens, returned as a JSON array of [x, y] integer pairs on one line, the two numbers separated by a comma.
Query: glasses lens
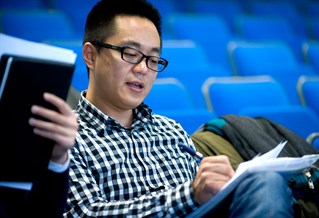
[[131, 55], [156, 63], [162, 63]]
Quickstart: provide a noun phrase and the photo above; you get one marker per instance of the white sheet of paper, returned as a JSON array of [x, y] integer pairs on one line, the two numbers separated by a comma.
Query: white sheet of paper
[[266, 162], [21, 47]]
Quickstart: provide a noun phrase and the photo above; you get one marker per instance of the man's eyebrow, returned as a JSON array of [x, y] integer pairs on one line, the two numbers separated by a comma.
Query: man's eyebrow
[[138, 45]]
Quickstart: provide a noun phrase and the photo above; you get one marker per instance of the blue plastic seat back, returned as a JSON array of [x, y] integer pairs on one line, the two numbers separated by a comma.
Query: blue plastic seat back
[[311, 53], [308, 90], [211, 31], [286, 9], [76, 11], [263, 27], [275, 59], [191, 120], [189, 64], [301, 120], [18, 4], [227, 9], [258, 58], [37, 25], [168, 94], [269, 27], [233, 94]]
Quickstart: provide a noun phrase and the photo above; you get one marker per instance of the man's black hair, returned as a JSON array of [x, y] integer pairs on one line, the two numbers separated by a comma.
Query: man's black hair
[[100, 20]]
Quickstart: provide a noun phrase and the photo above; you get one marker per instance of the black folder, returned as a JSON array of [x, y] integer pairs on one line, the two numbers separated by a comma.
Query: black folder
[[24, 156]]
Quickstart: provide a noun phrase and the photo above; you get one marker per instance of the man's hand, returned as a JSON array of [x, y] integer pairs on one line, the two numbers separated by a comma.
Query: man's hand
[[61, 126], [213, 173]]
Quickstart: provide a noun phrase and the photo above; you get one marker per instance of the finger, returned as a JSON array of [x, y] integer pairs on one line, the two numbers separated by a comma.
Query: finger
[[62, 109], [217, 173], [66, 130], [208, 184], [216, 159], [58, 102], [64, 116], [57, 123], [214, 182], [64, 140], [218, 164]]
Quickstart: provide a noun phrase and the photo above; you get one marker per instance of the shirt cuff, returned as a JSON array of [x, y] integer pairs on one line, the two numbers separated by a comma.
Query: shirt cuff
[[59, 168]]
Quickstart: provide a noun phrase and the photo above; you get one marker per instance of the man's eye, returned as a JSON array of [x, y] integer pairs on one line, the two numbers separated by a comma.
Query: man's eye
[[131, 54], [154, 61]]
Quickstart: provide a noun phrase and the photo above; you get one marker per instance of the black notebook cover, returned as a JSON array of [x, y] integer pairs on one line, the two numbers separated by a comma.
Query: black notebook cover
[[24, 156]]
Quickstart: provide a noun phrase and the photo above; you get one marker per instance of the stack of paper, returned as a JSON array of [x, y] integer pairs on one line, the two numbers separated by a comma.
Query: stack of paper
[[266, 162], [16, 46]]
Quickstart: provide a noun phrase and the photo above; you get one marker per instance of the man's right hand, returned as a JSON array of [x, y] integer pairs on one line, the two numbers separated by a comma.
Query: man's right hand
[[213, 173]]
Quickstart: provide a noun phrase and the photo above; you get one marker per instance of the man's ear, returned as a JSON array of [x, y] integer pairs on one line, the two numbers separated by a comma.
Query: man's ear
[[89, 54]]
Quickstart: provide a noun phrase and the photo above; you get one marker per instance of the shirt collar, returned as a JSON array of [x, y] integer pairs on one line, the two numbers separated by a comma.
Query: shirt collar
[[99, 121]]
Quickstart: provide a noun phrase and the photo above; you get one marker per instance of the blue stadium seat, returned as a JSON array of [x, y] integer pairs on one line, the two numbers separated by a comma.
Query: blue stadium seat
[[310, 8], [76, 11], [166, 8], [211, 31], [275, 59], [301, 120], [285, 9], [170, 98], [308, 90], [191, 120], [311, 53], [259, 96], [232, 95], [36, 25], [169, 94], [313, 139], [313, 27], [269, 27], [188, 62], [18, 4], [227, 9]]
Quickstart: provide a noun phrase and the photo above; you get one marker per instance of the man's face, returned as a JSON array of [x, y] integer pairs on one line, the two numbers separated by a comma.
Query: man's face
[[115, 83]]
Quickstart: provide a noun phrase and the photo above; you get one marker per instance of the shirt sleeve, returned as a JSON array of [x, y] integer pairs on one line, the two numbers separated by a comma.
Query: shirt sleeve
[[59, 168]]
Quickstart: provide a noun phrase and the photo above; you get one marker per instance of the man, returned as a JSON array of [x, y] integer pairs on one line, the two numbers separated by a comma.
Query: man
[[48, 195], [126, 161]]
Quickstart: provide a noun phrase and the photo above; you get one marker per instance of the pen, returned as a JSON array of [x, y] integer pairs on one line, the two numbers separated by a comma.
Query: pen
[[191, 151], [257, 155]]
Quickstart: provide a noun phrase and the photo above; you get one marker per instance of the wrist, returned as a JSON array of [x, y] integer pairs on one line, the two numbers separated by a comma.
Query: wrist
[[60, 159], [59, 168]]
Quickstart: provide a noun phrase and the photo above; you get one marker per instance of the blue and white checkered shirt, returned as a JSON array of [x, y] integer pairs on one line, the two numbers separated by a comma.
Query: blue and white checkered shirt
[[137, 172]]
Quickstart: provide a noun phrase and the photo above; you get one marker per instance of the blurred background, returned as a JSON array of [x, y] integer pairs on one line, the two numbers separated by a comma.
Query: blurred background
[[245, 57]]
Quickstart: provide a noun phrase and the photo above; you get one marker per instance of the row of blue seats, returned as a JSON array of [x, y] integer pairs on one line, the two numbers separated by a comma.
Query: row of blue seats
[[71, 14], [296, 13], [218, 52], [208, 30], [190, 103], [223, 7], [190, 65], [268, 62], [253, 96]]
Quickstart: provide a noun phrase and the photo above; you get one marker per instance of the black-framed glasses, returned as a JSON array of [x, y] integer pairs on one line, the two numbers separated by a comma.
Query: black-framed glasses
[[133, 56]]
